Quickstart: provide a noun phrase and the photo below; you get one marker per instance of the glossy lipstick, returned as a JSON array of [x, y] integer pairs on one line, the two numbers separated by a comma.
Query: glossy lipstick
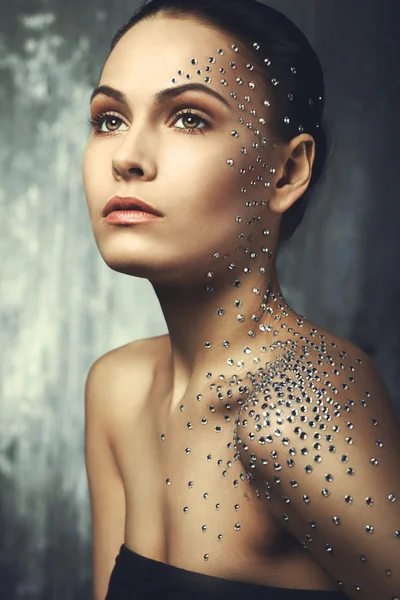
[[127, 210]]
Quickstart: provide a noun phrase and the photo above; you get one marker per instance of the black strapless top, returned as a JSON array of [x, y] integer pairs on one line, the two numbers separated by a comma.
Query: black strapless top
[[137, 577]]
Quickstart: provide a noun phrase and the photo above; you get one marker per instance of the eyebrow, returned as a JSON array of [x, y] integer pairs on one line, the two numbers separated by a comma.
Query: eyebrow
[[161, 96]]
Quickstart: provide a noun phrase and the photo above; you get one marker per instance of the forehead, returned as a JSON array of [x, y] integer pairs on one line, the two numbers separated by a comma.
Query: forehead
[[150, 55]]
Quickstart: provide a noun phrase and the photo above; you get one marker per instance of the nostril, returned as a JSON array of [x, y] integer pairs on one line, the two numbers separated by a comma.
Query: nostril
[[135, 171]]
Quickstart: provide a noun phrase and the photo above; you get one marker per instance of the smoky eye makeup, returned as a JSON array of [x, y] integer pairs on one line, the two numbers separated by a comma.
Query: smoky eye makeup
[[186, 108], [114, 121], [98, 119]]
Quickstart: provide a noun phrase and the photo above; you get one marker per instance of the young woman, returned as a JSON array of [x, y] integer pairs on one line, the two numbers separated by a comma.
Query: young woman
[[250, 452]]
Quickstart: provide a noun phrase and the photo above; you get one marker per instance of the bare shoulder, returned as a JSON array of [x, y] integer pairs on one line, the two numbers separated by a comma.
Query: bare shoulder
[[116, 387], [350, 365], [120, 380], [335, 441], [134, 361]]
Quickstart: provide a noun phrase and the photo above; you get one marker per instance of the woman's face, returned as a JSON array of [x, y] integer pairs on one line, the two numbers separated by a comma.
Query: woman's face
[[177, 162]]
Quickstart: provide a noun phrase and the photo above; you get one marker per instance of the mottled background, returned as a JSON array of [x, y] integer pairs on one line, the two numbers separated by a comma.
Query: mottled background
[[61, 307]]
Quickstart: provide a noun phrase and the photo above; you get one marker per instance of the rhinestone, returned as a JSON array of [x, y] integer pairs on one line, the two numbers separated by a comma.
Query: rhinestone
[[369, 529], [235, 48], [230, 162], [392, 497], [362, 557], [237, 526], [185, 510], [206, 556]]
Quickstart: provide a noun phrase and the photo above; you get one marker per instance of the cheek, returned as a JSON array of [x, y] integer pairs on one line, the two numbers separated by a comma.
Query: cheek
[[200, 181], [88, 172], [95, 172]]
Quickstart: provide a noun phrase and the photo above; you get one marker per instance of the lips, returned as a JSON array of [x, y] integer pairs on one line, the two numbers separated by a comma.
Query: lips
[[129, 203]]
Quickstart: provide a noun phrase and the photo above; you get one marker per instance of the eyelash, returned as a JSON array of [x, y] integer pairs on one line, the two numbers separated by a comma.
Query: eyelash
[[97, 121]]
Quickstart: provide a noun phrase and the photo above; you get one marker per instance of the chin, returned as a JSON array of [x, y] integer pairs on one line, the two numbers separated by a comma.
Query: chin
[[160, 263], [154, 266]]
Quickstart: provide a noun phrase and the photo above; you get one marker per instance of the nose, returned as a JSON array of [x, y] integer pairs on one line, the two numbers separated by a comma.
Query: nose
[[133, 157]]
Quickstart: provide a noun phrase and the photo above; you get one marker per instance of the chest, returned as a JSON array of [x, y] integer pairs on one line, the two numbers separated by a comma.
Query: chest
[[184, 483]]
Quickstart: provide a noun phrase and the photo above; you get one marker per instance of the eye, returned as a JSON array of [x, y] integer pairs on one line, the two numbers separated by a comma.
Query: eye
[[191, 117], [111, 121]]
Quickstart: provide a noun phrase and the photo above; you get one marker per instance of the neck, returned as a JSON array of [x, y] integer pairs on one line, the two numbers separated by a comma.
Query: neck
[[210, 325]]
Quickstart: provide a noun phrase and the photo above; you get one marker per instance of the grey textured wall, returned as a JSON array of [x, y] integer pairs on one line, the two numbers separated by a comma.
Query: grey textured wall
[[60, 305]]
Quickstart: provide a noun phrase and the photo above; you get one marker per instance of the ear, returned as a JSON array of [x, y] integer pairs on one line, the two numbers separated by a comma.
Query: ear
[[294, 176]]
